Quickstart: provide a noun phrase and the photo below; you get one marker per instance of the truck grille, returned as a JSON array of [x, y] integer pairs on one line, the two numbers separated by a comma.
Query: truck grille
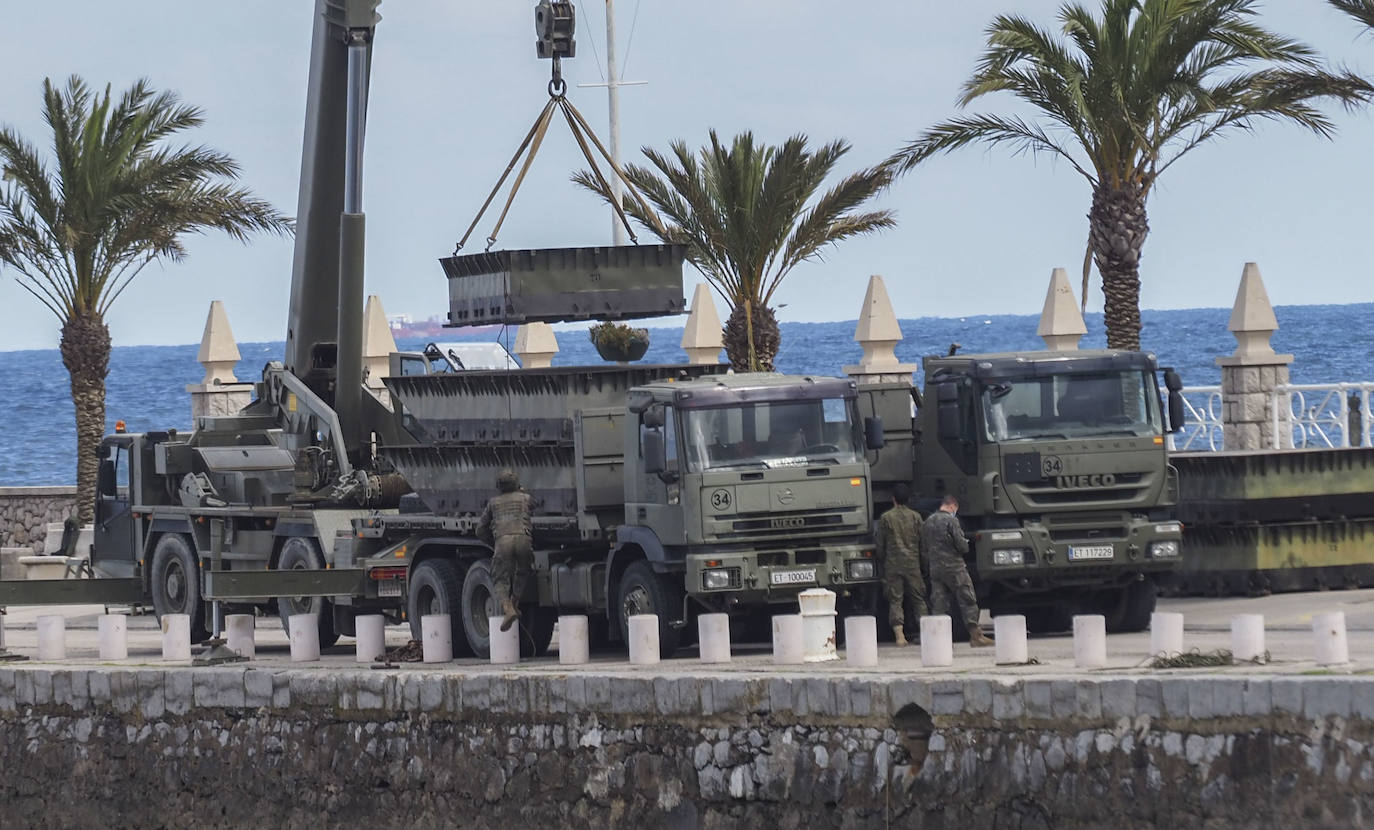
[[1047, 493], [1086, 527], [788, 524]]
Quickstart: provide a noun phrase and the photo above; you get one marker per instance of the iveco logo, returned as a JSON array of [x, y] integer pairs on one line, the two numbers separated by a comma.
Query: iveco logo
[[785, 496], [1074, 482], [787, 522]]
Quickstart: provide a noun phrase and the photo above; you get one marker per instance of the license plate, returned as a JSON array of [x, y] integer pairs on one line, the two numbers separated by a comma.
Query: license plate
[[1091, 552], [792, 577], [389, 588]]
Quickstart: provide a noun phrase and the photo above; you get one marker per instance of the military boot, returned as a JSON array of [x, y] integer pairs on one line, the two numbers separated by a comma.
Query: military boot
[[901, 638], [978, 639], [512, 614]]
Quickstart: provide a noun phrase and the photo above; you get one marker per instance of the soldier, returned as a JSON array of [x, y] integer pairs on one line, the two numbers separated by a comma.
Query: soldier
[[944, 545], [899, 551], [506, 526]]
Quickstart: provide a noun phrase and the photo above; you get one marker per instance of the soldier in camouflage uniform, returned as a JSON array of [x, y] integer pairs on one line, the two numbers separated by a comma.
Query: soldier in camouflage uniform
[[506, 526], [899, 551], [944, 545]]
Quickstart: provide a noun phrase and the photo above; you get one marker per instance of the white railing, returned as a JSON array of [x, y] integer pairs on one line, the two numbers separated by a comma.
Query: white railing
[[1321, 415], [1202, 422]]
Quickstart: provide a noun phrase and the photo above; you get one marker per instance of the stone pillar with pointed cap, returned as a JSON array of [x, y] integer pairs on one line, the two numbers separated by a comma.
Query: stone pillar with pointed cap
[[1061, 321], [1249, 377], [535, 345], [378, 345], [219, 392], [702, 337], [878, 334]]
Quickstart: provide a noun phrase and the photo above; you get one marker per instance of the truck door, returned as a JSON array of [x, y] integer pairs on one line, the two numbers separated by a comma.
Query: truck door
[[114, 523], [659, 494]]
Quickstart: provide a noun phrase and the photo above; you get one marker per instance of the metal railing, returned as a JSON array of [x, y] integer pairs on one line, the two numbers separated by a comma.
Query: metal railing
[[1321, 415], [1202, 422]]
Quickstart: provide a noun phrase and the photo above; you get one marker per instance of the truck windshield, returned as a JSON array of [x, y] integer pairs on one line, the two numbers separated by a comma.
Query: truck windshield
[[773, 434], [1071, 406]]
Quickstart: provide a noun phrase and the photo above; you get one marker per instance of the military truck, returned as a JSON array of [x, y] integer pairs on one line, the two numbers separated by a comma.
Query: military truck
[[1060, 466]]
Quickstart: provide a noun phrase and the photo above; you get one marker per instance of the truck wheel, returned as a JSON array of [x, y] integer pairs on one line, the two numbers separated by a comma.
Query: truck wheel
[[436, 588], [176, 583], [479, 603], [299, 554], [1133, 610], [1049, 619], [642, 591]]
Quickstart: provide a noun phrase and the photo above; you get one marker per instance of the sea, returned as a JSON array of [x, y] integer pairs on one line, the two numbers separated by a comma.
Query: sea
[[146, 387]]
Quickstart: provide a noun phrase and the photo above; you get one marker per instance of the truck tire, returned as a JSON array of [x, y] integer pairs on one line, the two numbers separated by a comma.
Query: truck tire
[[176, 583], [479, 603], [1133, 609], [642, 591], [1049, 619], [300, 553], [435, 587]]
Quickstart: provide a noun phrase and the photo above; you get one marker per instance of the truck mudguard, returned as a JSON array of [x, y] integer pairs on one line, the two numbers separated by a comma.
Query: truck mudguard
[[646, 540]]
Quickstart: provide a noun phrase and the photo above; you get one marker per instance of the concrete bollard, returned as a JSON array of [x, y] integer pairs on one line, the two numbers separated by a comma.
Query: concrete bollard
[[304, 631], [1166, 633], [436, 638], [113, 631], [818, 625], [861, 641], [1010, 633], [1247, 637], [1328, 632], [369, 638], [644, 639], [240, 635], [176, 637], [713, 637], [504, 645], [787, 639], [1089, 641], [574, 640], [937, 641], [52, 637]]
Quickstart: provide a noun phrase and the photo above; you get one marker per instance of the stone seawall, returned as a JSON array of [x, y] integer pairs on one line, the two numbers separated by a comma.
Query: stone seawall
[[26, 511], [231, 747]]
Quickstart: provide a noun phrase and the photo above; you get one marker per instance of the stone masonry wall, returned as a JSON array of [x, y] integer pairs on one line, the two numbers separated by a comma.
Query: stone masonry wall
[[26, 511], [233, 747]]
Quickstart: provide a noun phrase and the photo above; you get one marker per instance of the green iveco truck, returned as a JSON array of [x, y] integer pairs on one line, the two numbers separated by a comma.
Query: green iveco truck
[[1059, 462]]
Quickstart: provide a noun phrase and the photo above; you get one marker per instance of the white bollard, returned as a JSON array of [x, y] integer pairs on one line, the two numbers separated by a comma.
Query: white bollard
[[436, 638], [787, 639], [861, 641], [369, 639], [1328, 631], [113, 630], [1010, 633], [644, 639], [574, 640], [937, 641], [1247, 637], [304, 631], [176, 637], [818, 625], [713, 637], [1166, 633], [52, 637], [1090, 641], [504, 645], [239, 635]]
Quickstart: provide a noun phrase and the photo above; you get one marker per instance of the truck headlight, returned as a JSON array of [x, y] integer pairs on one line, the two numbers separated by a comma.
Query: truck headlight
[[860, 568], [1005, 535], [1164, 550], [1169, 527], [714, 580], [1009, 556]]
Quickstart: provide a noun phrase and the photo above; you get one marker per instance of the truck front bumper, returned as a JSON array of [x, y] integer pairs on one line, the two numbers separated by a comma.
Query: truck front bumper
[[1029, 558], [747, 576]]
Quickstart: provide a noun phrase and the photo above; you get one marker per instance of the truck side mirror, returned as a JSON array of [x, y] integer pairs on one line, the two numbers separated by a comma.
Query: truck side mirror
[[105, 478], [873, 433], [1176, 413], [1172, 381], [655, 461]]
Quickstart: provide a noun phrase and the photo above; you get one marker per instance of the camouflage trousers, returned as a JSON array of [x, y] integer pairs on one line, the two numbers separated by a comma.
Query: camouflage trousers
[[948, 580], [511, 566], [899, 584]]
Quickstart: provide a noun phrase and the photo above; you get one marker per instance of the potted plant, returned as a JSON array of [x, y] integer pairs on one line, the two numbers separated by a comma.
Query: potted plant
[[619, 342]]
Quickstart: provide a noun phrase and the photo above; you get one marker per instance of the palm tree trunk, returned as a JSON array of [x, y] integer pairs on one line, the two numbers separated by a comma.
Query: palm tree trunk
[[86, 354], [1118, 226], [766, 337]]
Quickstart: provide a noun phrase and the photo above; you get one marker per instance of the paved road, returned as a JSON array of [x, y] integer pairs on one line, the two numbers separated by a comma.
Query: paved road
[[1288, 624]]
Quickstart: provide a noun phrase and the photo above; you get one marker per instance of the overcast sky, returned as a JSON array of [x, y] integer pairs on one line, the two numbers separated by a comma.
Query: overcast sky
[[456, 84]]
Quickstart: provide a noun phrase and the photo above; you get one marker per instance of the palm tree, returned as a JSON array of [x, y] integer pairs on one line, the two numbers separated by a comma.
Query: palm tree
[[1125, 96], [1361, 10], [115, 199], [746, 214]]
